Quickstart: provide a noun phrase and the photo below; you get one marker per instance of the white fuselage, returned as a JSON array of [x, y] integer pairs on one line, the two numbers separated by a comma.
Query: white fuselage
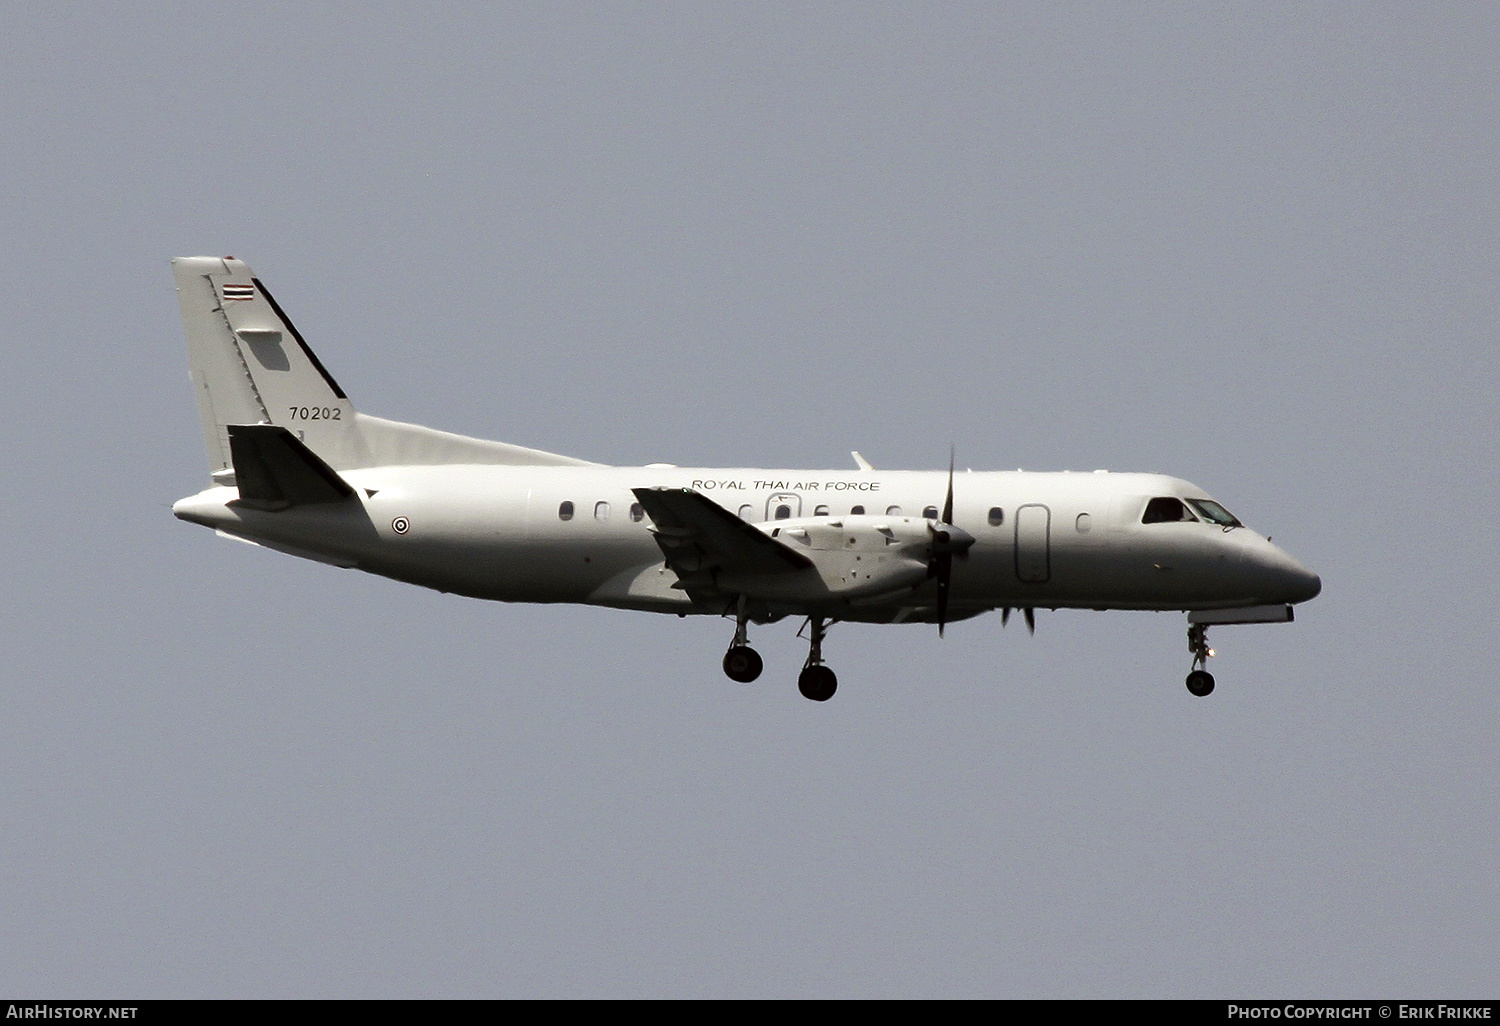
[[298, 469], [1047, 540]]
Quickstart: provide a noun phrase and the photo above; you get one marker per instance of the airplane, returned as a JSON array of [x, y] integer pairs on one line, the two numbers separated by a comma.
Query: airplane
[[297, 469]]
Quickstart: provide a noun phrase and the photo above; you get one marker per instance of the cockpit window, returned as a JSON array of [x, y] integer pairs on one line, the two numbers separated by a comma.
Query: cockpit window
[[1165, 509], [1211, 511]]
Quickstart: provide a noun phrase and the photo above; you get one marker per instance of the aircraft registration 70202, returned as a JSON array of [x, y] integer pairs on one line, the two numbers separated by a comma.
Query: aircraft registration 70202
[[295, 468]]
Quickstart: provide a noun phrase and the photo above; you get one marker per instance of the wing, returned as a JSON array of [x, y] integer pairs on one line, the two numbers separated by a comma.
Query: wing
[[701, 539]]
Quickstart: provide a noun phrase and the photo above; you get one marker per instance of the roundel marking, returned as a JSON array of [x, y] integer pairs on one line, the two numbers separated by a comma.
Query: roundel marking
[[400, 525]]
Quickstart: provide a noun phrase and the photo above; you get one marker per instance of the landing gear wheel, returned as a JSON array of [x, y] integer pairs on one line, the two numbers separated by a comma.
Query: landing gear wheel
[[1200, 683], [742, 663], [817, 683]]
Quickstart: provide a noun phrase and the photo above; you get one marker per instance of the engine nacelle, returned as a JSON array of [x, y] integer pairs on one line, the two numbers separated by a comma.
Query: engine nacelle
[[853, 558]]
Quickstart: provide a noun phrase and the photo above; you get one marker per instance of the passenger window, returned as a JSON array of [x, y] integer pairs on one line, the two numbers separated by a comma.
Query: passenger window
[[1165, 509], [930, 513], [601, 511], [783, 512], [636, 513], [893, 511], [747, 514], [1084, 523], [856, 511], [565, 511], [997, 516], [821, 511]]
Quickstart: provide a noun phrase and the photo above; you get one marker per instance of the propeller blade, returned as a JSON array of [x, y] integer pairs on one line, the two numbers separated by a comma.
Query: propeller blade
[[944, 579], [1030, 615], [948, 502], [941, 566]]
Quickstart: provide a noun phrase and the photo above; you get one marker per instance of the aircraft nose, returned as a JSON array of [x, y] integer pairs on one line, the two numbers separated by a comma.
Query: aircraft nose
[[1296, 582], [1308, 586]]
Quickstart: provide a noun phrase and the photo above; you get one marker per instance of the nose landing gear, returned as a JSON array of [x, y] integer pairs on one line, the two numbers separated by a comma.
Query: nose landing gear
[[1200, 682]]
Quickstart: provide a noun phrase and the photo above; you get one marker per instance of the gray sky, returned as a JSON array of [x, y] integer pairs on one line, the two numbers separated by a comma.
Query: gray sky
[[1253, 246]]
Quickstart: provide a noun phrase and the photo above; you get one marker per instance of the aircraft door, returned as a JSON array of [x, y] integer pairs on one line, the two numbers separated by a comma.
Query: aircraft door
[[1033, 543], [784, 506]]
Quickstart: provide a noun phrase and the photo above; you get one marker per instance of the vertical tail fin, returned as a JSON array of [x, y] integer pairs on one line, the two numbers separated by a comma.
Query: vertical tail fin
[[250, 365]]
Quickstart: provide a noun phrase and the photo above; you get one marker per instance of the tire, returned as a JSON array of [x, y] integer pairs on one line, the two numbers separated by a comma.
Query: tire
[[1200, 683], [742, 663], [817, 683]]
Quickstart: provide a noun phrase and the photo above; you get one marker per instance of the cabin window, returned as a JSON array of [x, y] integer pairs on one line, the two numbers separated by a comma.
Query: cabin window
[[930, 513], [747, 513], [565, 511], [856, 511], [601, 511], [783, 512], [636, 512], [997, 516], [1165, 509], [821, 511], [1084, 523], [893, 511]]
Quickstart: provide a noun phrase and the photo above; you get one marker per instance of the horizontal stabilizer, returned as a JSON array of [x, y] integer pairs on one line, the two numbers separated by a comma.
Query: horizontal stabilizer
[[274, 470]]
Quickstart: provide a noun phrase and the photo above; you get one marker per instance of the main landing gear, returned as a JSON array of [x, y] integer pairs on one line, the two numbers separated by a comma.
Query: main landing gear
[[1199, 682], [816, 681], [742, 663]]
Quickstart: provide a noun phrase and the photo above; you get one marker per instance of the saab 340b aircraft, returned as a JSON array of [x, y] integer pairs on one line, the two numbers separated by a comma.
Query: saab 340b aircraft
[[297, 469]]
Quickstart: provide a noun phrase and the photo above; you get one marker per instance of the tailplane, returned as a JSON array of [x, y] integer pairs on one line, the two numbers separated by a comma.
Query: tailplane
[[274, 471]]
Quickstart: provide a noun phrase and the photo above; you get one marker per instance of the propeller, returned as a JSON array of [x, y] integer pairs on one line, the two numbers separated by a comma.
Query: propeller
[[944, 546]]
